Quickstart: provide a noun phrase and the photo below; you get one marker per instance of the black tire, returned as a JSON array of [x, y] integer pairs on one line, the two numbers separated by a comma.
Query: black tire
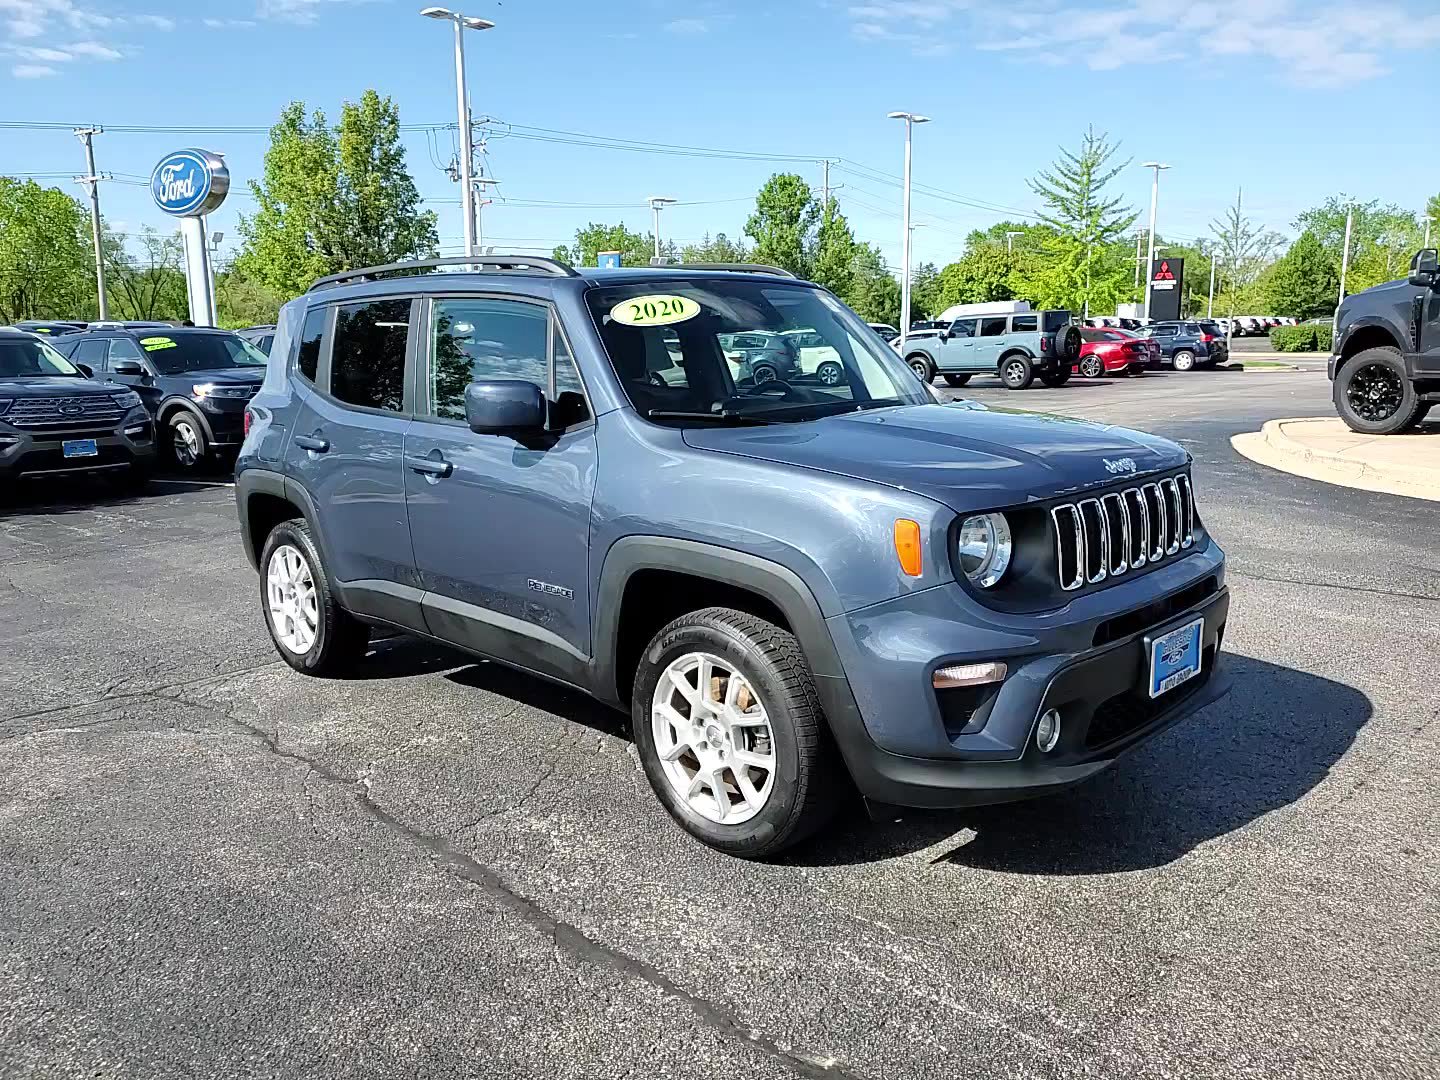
[[1092, 367], [1068, 344], [830, 373], [340, 639], [920, 364], [1054, 379], [1373, 396], [764, 373], [808, 778], [186, 445], [1016, 372], [1183, 360], [957, 380]]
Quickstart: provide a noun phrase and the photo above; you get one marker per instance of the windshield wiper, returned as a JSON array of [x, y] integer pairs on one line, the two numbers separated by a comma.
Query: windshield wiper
[[724, 416]]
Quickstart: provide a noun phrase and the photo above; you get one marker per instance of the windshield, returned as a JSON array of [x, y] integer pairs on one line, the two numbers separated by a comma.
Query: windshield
[[745, 352], [28, 358], [200, 352]]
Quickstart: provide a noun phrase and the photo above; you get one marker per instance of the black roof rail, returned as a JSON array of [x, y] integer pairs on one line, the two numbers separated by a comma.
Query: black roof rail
[[488, 262], [742, 268]]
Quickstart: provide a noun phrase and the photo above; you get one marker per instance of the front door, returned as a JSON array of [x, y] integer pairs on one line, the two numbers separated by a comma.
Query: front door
[[500, 524], [346, 444], [957, 351], [120, 349], [1429, 332]]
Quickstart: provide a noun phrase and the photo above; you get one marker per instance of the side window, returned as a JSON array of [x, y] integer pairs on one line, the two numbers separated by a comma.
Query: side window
[[1022, 324], [992, 327], [308, 360], [122, 349], [962, 328], [91, 354], [367, 366], [499, 339], [1164, 331]]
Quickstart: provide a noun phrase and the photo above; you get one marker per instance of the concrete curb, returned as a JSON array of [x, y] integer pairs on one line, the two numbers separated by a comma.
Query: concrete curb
[[1322, 448]]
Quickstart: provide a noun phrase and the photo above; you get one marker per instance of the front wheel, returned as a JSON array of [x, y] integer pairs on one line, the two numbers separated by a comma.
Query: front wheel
[[830, 373], [1092, 367], [1184, 360], [920, 365], [188, 445], [311, 631], [729, 730], [1016, 372], [1373, 396]]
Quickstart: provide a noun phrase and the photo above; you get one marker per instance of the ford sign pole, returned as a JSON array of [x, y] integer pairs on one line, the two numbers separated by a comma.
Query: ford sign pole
[[189, 184]]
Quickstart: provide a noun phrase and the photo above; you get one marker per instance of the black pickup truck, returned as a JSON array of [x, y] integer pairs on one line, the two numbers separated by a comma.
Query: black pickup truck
[[1385, 366]]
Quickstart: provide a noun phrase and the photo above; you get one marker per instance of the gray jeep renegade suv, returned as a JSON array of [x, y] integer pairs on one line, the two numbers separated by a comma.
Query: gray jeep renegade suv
[[784, 582]]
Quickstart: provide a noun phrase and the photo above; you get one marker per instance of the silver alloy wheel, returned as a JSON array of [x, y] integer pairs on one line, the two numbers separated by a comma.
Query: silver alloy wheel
[[921, 369], [1015, 372], [829, 373], [713, 738], [1091, 367], [294, 606], [188, 441]]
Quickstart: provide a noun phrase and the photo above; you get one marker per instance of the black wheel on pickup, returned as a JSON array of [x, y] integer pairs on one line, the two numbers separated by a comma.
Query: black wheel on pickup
[[1373, 395], [728, 727]]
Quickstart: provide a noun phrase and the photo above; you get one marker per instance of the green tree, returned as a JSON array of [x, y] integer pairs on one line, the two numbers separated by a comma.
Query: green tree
[[982, 275], [1245, 248], [874, 292], [1086, 221], [333, 199], [832, 262], [635, 249], [1383, 237], [148, 282], [925, 292], [240, 301], [783, 224], [719, 249], [1303, 283], [47, 266]]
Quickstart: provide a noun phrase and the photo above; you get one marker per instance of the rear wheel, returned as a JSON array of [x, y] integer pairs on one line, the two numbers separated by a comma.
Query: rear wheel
[[920, 364], [1372, 394], [830, 373], [1092, 367], [311, 631], [957, 380], [1184, 360], [1016, 372], [765, 373], [1054, 379], [728, 727]]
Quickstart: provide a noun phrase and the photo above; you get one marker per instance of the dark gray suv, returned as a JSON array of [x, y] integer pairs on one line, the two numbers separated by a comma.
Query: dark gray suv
[[785, 582]]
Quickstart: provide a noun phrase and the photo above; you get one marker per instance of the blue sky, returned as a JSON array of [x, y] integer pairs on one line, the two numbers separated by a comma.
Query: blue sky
[[1289, 99]]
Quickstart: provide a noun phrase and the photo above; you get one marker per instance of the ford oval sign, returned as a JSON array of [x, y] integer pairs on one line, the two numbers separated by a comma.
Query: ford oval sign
[[189, 183]]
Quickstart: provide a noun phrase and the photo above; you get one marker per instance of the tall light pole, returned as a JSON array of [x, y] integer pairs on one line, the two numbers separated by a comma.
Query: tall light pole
[[1428, 220], [462, 106], [1344, 264], [1154, 201], [1010, 242], [1210, 309], [656, 202], [911, 119]]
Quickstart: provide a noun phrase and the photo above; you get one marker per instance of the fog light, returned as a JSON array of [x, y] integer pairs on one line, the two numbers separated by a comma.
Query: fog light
[[1047, 732]]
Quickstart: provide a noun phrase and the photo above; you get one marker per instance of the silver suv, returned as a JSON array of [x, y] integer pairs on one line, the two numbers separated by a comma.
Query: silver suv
[[1015, 347]]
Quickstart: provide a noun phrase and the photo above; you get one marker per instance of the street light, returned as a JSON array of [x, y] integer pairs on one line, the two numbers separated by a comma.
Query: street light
[[1154, 199], [656, 202], [462, 104], [1010, 242], [911, 119]]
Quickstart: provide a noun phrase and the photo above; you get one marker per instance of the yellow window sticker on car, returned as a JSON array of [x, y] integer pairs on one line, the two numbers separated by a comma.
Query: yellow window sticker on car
[[150, 344], [654, 310]]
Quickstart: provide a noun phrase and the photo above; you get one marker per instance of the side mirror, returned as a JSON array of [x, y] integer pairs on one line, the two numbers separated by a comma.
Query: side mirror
[[944, 335], [504, 406], [1425, 268], [128, 367], [86, 370]]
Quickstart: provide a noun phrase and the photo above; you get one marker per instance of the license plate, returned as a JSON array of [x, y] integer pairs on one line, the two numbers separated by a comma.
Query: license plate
[[80, 448], [1175, 657]]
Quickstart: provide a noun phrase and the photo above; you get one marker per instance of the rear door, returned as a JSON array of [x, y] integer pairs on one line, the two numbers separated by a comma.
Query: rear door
[[501, 524], [346, 447]]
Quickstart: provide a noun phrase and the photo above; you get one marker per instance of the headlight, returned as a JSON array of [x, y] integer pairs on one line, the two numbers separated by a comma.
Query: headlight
[[984, 548], [128, 400], [214, 390]]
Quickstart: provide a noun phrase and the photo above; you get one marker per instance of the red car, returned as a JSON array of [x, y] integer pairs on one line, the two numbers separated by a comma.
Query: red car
[[1112, 351]]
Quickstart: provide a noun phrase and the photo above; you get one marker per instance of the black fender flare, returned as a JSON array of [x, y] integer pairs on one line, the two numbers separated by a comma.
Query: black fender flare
[[171, 405], [1400, 335], [776, 583], [268, 482]]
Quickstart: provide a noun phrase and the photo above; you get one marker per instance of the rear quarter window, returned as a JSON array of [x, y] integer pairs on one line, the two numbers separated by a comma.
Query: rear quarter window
[[1021, 324]]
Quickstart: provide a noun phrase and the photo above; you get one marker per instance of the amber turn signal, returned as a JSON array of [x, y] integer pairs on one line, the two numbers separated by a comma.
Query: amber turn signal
[[907, 545]]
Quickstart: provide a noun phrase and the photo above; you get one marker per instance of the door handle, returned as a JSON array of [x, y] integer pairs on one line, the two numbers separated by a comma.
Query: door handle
[[313, 443], [430, 466]]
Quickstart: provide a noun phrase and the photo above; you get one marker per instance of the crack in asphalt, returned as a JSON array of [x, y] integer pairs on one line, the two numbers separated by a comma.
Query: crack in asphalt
[[562, 935], [1333, 585]]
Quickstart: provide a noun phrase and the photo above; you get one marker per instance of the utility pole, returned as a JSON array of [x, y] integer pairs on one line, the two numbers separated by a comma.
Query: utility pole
[[1344, 264], [825, 187], [91, 180], [1010, 242], [1210, 309], [1428, 219], [1139, 254]]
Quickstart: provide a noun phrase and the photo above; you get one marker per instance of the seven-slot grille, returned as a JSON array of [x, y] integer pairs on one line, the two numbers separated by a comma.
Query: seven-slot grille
[[1122, 530], [64, 415]]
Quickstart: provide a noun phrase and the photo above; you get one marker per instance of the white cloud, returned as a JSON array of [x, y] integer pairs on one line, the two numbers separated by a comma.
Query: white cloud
[[295, 11], [32, 71], [94, 50], [155, 22], [49, 56], [687, 26], [227, 24], [1321, 43]]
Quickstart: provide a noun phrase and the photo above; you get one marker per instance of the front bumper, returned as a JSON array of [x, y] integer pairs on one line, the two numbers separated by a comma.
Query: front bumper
[[33, 455], [902, 750]]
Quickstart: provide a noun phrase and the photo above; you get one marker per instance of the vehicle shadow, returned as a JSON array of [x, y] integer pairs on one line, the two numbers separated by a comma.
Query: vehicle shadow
[[1263, 747], [68, 494]]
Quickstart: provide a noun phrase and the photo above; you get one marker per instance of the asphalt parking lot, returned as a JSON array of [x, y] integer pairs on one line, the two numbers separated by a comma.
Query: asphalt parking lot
[[212, 866]]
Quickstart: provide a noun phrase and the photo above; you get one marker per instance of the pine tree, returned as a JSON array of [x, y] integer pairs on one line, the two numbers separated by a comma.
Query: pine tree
[[1304, 283]]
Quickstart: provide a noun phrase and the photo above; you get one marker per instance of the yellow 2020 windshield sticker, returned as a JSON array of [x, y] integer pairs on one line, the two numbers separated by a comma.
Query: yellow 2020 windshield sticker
[[654, 310], [150, 344]]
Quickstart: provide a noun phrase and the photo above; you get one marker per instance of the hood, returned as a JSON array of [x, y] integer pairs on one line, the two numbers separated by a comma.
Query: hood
[[963, 454], [37, 386], [230, 376]]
